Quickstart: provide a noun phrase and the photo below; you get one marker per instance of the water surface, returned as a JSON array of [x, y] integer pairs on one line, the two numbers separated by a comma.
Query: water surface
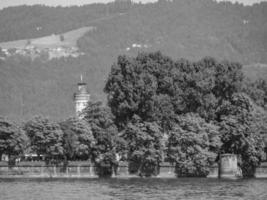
[[135, 188]]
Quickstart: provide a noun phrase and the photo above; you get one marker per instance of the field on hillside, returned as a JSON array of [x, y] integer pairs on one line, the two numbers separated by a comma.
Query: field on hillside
[[53, 41]]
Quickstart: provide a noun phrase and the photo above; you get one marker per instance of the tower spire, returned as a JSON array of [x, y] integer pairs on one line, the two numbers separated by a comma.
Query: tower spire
[[81, 78]]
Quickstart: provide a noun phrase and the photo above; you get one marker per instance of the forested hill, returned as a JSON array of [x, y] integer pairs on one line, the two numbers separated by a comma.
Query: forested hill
[[190, 29], [24, 22]]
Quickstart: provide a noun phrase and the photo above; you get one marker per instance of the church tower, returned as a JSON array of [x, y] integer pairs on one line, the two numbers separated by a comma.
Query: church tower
[[81, 97]]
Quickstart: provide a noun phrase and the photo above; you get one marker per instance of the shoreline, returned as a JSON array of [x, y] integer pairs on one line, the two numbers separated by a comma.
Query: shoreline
[[86, 171]]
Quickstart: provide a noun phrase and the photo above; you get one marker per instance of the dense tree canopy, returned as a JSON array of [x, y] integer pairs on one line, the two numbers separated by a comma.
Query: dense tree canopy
[[133, 85], [242, 127], [144, 146], [78, 139], [13, 140], [45, 136], [193, 146], [155, 87], [205, 84], [105, 133]]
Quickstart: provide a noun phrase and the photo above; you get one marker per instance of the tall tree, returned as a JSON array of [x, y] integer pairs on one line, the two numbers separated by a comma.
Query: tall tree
[[46, 138], [193, 146], [242, 128], [144, 145], [105, 133], [133, 85], [78, 139], [13, 140]]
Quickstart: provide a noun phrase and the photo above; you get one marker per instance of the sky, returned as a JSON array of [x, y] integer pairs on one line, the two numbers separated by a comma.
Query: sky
[[6, 3]]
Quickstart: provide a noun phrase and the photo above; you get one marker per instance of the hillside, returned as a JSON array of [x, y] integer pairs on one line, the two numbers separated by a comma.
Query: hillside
[[24, 22], [69, 39], [186, 28], [52, 46]]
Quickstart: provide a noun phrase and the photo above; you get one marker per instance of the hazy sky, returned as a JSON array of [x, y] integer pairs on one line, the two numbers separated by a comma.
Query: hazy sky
[[6, 3]]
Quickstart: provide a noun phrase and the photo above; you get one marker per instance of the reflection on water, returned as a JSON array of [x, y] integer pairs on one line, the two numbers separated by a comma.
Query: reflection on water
[[96, 189]]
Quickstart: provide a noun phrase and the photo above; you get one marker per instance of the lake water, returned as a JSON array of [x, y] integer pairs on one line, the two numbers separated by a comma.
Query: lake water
[[136, 188]]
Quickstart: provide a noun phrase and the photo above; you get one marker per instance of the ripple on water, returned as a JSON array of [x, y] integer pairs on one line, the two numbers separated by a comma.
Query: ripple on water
[[130, 189]]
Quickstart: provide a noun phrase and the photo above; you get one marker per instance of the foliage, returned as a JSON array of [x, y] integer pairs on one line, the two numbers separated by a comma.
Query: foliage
[[203, 85], [257, 90], [13, 140], [105, 133], [144, 145], [46, 137], [78, 139], [156, 88], [193, 145], [242, 128], [133, 85]]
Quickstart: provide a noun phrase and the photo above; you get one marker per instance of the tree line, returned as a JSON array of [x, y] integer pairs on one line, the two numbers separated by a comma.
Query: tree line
[[158, 110]]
